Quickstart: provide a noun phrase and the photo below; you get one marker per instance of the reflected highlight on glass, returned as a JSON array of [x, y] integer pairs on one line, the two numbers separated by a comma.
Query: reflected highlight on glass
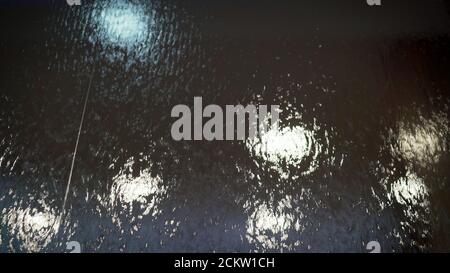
[[144, 190], [34, 228], [123, 24], [269, 224]]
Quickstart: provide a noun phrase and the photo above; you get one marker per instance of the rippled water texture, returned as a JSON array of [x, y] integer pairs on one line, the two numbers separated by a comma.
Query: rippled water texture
[[361, 153]]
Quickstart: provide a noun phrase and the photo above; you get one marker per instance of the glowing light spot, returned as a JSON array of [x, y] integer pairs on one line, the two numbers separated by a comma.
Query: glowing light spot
[[287, 145], [423, 143], [409, 190], [144, 190], [269, 226], [413, 195], [123, 24], [32, 227]]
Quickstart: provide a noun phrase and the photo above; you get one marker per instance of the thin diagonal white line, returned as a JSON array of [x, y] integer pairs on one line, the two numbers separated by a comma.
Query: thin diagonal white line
[[76, 147]]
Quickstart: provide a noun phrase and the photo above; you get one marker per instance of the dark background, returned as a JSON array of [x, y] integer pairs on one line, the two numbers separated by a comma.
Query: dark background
[[366, 89]]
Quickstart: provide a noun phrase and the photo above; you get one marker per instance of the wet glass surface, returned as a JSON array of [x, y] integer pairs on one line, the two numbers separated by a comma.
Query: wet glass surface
[[362, 152]]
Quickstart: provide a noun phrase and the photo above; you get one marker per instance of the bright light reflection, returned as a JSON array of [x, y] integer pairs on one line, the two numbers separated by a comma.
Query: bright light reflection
[[269, 225], [423, 143], [409, 190], [143, 190], [412, 193], [33, 228], [290, 145], [124, 24]]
